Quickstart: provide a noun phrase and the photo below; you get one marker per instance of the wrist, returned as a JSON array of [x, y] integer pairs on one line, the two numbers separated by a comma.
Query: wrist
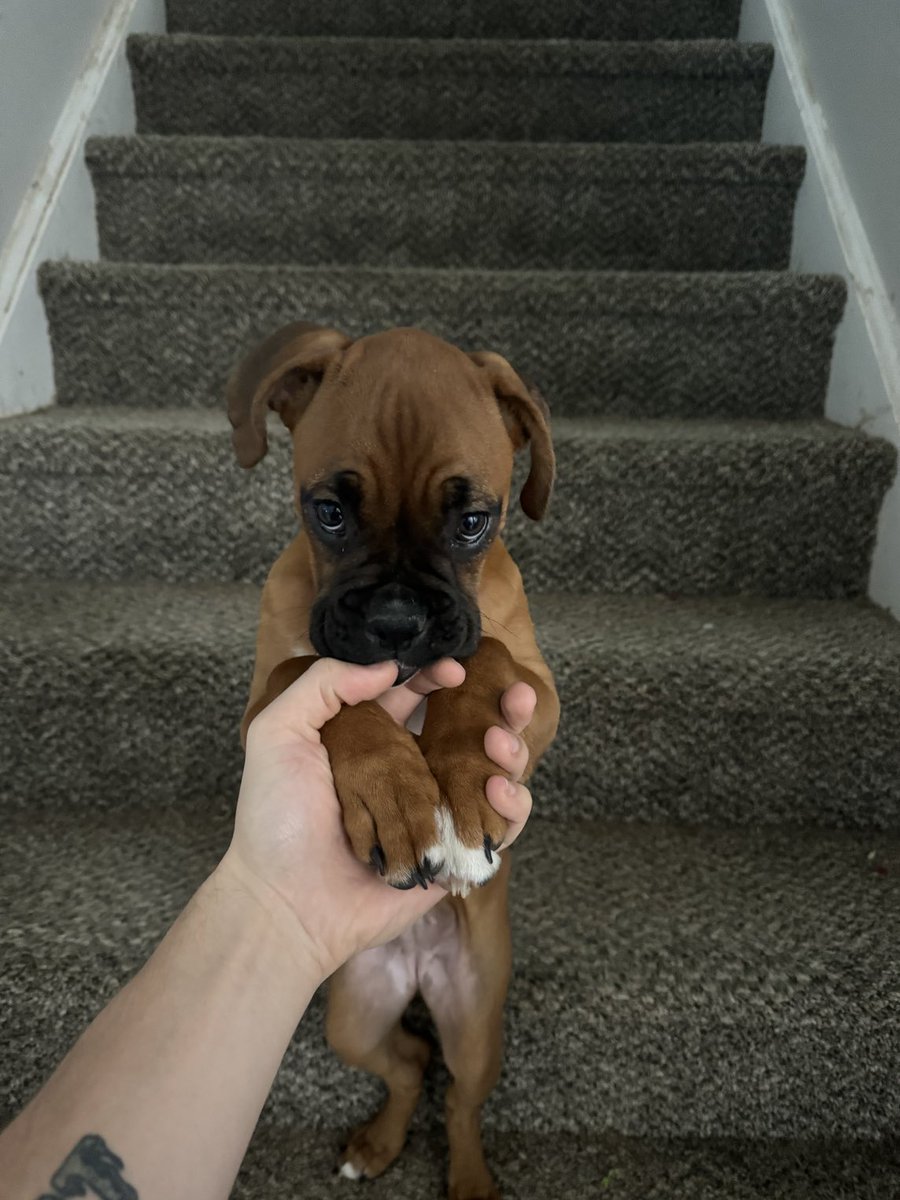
[[267, 918]]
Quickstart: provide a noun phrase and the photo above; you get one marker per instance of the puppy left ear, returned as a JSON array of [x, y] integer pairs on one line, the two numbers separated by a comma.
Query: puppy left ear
[[281, 374], [527, 420]]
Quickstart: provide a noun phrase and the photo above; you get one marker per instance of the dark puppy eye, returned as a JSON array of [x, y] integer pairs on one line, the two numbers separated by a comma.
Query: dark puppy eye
[[330, 516], [472, 527]]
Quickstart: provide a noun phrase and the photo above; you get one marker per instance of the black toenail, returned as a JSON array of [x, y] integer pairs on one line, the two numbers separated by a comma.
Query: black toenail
[[377, 859], [409, 882], [420, 878], [431, 870], [487, 848]]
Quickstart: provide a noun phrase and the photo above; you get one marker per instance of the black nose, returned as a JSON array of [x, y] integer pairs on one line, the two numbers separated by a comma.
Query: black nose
[[395, 617]]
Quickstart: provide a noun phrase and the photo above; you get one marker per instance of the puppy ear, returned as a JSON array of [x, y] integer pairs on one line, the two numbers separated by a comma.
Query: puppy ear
[[527, 419], [281, 373]]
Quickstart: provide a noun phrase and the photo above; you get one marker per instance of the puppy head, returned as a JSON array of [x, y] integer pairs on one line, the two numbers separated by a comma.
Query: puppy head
[[403, 455]]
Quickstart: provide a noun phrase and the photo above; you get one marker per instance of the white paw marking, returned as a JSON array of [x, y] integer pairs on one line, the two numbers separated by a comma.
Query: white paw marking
[[464, 866], [348, 1171]]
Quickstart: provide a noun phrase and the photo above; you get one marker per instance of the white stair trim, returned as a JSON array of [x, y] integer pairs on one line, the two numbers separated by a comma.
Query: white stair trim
[[829, 235], [56, 216]]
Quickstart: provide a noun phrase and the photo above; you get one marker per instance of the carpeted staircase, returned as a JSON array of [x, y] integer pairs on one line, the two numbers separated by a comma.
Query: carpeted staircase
[[707, 909]]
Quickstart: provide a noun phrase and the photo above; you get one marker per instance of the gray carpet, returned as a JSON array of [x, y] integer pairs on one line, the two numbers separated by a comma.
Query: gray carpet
[[706, 909], [796, 701], [772, 508], [374, 87], [670, 981], [618, 344], [640, 19], [465, 204]]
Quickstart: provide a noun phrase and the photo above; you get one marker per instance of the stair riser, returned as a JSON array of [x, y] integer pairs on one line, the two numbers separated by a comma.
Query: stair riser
[[445, 206], [374, 90], [448, 18], [774, 745], [606, 345], [767, 517]]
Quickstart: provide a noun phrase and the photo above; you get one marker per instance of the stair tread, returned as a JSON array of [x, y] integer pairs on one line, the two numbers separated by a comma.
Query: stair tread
[[637, 291], [695, 948], [407, 202], [376, 87], [641, 344], [707, 57], [194, 420], [640, 506], [797, 700], [449, 18], [74, 617], [198, 155], [583, 1166]]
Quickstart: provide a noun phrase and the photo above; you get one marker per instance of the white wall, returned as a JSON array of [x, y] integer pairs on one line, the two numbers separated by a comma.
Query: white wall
[[836, 89], [63, 77], [43, 44]]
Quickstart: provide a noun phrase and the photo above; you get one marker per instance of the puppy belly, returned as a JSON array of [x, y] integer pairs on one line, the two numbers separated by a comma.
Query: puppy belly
[[429, 957]]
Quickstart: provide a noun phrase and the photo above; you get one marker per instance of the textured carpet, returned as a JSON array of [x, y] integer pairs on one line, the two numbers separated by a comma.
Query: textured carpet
[[620, 344], [446, 204], [680, 981], [796, 701], [357, 87], [534, 1167], [771, 508], [460, 18], [706, 909]]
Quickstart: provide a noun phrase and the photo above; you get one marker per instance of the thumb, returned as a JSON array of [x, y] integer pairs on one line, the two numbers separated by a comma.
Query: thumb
[[317, 696]]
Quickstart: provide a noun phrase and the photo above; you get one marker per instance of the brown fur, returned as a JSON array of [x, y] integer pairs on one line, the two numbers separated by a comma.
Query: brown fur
[[406, 411]]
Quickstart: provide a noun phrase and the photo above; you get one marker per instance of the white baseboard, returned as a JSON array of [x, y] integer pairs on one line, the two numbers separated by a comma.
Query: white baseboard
[[56, 218], [829, 235]]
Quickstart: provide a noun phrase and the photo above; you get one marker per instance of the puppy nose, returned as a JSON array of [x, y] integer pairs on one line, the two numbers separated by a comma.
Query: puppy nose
[[395, 618]]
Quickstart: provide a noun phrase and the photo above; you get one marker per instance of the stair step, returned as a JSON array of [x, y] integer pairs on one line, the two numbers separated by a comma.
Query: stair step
[[643, 19], [631, 345], [445, 204], [300, 1162], [411, 88], [796, 702], [696, 508], [681, 981]]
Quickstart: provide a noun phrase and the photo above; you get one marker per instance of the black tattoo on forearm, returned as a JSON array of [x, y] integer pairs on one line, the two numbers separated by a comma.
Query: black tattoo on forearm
[[91, 1170]]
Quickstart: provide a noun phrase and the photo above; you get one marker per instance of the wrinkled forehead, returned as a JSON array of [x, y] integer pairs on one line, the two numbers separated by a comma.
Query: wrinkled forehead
[[417, 427]]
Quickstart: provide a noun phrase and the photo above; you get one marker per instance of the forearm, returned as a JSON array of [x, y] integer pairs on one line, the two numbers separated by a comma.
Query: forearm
[[174, 1072]]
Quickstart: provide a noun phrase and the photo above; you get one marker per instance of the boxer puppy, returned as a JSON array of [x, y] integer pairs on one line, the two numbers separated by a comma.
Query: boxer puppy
[[403, 452]]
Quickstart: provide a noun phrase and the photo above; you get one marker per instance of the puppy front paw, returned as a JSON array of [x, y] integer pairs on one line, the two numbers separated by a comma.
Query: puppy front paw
[[389, 798], [469, 831]]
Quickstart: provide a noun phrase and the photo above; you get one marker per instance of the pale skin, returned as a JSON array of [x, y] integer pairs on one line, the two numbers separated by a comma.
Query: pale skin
[[173, 1074]]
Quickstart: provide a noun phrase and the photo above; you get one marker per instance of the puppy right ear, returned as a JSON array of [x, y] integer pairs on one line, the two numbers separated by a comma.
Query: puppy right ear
[[282, 373]]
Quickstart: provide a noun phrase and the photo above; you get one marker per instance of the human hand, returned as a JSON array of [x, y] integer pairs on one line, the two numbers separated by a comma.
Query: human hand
[[289, 846]]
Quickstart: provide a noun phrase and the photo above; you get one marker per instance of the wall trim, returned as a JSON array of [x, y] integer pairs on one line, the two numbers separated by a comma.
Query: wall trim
[[879, 314], [56, 217], [829, 236]]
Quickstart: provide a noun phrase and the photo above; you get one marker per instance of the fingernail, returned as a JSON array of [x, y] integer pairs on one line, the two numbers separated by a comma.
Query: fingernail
[[514, 744]]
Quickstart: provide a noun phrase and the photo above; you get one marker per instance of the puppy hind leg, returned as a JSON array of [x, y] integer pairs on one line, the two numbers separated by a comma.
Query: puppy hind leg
[[468, 1013], [473, 1058], [366, 1000]]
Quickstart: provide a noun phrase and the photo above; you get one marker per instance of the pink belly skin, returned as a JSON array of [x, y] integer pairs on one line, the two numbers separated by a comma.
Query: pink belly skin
[[429, 958]]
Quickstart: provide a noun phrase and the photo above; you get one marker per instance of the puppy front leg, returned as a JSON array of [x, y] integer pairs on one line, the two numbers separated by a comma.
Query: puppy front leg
[[452, 741], [389, 798]]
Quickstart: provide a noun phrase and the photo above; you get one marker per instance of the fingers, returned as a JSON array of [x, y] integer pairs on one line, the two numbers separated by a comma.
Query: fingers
[[402, 702], [507, 750], [317, 696], [512, 801], [517, 705]]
